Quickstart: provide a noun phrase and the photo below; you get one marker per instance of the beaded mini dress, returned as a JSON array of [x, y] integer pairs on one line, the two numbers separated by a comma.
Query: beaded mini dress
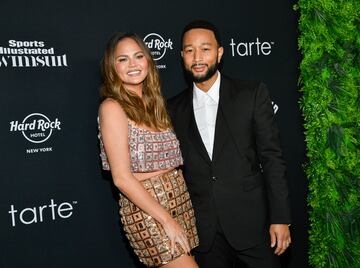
[[152, 151]]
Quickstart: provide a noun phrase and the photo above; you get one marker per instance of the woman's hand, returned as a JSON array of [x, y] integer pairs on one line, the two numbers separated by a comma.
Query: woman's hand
[[176, 234]]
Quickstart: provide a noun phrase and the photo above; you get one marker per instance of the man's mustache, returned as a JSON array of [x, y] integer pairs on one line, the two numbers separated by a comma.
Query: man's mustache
[[199, 64]]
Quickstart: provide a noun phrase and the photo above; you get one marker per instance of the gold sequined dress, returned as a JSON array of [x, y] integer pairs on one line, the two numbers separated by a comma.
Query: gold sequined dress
[[151, 151]]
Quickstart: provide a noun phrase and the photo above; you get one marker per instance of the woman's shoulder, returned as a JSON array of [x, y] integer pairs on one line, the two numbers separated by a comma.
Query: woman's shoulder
[[109, 102], [111, 108]]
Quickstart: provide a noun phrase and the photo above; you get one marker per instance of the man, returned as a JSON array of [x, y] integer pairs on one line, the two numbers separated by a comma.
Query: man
[[232, 160]]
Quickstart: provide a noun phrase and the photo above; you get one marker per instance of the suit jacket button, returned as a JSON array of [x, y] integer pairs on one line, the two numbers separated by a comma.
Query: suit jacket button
[[214, 178]]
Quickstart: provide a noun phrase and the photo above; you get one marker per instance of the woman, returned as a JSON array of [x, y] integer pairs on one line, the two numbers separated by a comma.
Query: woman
[[140, 148]]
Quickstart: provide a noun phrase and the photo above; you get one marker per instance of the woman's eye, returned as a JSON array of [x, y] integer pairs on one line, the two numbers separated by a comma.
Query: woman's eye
[[140, 56], [122, 59]]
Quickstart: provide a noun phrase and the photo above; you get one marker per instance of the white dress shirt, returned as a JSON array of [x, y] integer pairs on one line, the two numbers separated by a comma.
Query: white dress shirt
[[205, 111]]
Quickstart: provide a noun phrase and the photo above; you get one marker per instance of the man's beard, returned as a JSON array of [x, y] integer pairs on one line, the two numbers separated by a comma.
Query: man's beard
[[202, 78]]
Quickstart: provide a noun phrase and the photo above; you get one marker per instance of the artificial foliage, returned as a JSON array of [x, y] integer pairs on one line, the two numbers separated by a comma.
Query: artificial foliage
[[330, 84]]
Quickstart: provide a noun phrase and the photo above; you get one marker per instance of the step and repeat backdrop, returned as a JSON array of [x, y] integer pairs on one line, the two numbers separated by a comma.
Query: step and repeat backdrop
[[57, 208]]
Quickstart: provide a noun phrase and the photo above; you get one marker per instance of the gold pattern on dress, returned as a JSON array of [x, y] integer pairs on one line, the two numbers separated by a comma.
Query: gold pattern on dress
[[147, 236], [149, 151]]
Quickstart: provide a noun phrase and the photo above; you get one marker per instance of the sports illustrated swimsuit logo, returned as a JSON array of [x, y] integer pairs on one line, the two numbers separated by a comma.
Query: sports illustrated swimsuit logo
[[36, 128], [158, 46], [52, 211], [254, 48], [20, 54]]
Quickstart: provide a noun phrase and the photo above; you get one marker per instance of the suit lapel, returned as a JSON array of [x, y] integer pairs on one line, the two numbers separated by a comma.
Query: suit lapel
[[193, 131], [226, 120], [221, 127], [231, 114]]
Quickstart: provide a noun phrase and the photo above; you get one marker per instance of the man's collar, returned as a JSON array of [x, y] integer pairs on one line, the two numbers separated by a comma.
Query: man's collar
[[213, 92]]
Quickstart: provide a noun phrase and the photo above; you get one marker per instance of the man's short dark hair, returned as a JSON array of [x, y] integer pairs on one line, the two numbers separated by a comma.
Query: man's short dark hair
[[202, 24]]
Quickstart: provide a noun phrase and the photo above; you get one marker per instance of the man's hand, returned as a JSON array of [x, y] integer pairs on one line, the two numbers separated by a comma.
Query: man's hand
[[280, 236]]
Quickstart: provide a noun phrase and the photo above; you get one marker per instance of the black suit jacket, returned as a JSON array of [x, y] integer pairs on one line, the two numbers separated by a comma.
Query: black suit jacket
[[244, 186]]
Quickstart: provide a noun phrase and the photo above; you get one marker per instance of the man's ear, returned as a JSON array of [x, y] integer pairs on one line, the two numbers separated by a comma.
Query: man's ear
[[182, 54], [220, 53]]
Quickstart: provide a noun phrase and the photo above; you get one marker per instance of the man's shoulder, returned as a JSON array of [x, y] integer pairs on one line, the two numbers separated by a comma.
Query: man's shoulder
[[240, 84], [178, 99]]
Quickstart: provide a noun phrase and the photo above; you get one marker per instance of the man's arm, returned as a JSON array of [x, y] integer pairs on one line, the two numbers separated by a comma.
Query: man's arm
[[273, 165]]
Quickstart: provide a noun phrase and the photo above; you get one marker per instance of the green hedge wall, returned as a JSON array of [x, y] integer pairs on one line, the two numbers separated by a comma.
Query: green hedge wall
[[330, 83]]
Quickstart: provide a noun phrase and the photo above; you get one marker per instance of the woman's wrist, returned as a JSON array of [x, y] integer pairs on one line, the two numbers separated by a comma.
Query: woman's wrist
[[165, 218]]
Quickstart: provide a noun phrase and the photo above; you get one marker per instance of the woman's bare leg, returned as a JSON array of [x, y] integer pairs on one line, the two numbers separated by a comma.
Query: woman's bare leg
[[185, 261]]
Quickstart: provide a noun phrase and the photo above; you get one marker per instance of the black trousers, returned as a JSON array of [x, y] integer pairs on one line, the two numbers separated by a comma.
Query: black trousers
[[223, 255]]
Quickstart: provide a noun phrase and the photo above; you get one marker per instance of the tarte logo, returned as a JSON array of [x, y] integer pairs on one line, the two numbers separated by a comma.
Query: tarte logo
[[38, 214], [254, 48]]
